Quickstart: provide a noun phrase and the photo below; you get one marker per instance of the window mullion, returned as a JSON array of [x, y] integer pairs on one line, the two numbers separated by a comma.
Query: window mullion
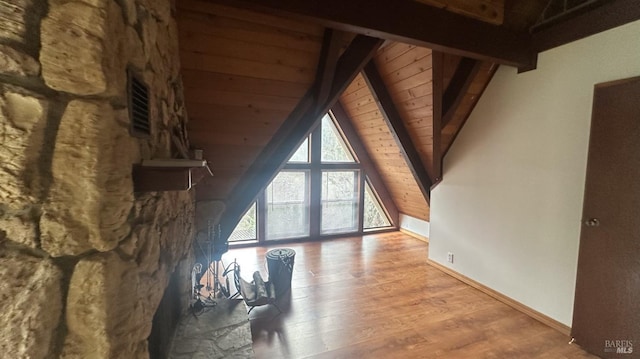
[[316, 183], [340, 166], [361, 182], [261, 215]]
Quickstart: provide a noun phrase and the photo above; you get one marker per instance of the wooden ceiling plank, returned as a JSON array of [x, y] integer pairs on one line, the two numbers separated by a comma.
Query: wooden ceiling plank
[[243, 128], [355, 96], [366, 105], [399, 131], [422, 112], [412, 23], [235, 83], [293, 131], [223, 64], [233, 29], [409, 71], [218, 137], [202, 113], [217, 10], [412, 56], [367, 119], [415, 103], [374, 130], [458, 86], [235, 49], [424, 89], [367, 164], [391, 52], [241, 100], [410, 83], [420, 121], [355, 91]]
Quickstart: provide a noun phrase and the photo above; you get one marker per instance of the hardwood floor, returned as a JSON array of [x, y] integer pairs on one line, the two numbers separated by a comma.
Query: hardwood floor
[[376, 297]]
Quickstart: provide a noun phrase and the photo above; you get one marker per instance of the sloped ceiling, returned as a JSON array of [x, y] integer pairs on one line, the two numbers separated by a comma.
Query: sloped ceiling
[[249, 66], [407, 72], [243, 73], [360, 106]]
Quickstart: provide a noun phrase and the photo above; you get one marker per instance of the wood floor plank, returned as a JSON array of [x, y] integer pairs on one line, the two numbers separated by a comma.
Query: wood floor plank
[[376, 297]]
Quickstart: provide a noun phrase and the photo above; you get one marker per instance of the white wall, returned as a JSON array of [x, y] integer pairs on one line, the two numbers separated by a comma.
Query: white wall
[[510, 204], [415, 225]]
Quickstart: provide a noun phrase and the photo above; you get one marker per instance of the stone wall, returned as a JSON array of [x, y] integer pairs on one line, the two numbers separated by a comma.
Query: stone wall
[[83, 260]]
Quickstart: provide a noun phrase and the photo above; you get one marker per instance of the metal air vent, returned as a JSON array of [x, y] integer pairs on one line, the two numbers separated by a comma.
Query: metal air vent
[[139, 107]]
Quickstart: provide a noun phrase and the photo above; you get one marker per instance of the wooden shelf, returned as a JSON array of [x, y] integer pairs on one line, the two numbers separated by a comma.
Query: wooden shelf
[[171, 174], [152, 179]]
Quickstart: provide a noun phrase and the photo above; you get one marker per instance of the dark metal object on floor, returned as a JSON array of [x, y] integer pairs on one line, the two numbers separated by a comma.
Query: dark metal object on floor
[[257, 292], [280, 265], [198, 305], [217, 247]]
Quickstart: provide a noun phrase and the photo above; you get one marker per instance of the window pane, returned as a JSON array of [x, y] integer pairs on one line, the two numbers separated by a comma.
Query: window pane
[[333, 147], [246, 228], [302, 153], [339, 201], [288, 205], [374, 215]]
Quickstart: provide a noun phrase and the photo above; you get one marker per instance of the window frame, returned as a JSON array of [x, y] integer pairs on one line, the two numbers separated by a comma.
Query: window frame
[[316, 167]]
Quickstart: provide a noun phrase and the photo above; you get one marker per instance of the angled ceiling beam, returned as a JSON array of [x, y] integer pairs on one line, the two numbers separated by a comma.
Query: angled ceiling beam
[[447, 145], [367, 164], [458, 86], [407, 21], [575, 26], [397, 129], [437, 81], [294, 130], [329, 55]]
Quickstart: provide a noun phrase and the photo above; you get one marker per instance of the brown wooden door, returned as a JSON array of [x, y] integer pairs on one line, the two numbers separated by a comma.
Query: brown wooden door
[[606, 317]]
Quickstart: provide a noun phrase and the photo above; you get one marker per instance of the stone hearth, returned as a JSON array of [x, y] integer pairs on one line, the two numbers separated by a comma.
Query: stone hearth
[[222, 331]]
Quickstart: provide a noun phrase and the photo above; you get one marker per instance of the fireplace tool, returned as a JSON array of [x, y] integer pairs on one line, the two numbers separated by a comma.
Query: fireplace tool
[[217, 247], [198, 306]]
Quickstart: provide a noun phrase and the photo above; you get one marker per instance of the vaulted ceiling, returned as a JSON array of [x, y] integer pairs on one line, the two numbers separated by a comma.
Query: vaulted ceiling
[[258, 74]]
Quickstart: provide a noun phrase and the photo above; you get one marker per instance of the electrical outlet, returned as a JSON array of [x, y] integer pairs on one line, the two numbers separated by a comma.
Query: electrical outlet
[[450, 257]]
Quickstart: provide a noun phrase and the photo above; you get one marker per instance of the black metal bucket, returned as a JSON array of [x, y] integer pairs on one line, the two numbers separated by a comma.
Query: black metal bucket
[[280, 267]]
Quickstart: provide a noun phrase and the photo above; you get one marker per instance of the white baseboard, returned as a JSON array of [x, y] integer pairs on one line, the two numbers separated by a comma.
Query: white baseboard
[[544, 319]]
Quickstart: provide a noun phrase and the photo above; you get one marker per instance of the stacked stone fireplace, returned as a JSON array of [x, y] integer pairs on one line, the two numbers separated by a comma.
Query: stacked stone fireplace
[[84, 261]]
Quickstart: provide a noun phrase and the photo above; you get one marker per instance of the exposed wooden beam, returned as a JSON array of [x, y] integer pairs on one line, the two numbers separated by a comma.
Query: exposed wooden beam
[[294, 130], [575, 26], [329, 55], [491, 11], [458, 86], [447, 146], [406, 21], [397, 128], [437, 76], [365, 160]]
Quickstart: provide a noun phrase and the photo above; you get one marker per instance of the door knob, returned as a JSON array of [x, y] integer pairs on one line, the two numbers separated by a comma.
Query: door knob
[[592, 222]]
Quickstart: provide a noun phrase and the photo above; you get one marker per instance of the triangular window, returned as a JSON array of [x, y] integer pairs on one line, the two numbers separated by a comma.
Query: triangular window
[[302, 153], [246, 229], [333, 146], [374, 214]]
